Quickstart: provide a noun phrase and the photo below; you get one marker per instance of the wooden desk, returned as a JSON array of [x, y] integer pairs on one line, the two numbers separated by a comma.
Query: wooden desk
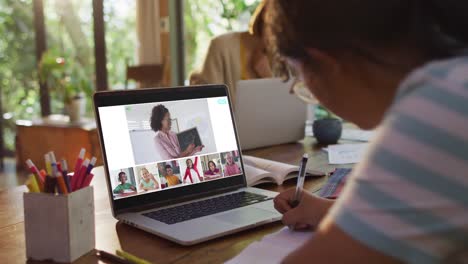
[[35, 138], [111, 235]]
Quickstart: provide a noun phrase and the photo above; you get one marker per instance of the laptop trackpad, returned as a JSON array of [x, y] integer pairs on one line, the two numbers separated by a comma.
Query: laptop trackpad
[[245, 216]]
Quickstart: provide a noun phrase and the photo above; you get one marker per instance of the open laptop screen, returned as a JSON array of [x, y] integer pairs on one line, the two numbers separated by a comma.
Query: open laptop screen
[[157, 146]]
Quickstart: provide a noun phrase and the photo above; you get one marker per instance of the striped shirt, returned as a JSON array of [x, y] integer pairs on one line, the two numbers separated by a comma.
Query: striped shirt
[[409, 197]]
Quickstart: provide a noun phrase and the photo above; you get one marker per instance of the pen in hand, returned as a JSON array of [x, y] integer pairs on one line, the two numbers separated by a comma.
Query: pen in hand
[[300, 184]]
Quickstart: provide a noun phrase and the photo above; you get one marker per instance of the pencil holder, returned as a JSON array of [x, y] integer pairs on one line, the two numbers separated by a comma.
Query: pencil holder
[[59, 227]]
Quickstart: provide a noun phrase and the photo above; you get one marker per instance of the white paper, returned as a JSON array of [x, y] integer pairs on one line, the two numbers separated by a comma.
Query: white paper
[[346, 153], [272, 248], [357, 135]]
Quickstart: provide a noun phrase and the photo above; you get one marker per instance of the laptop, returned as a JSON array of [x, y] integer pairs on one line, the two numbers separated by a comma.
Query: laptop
[[186, 196], [267, 114]]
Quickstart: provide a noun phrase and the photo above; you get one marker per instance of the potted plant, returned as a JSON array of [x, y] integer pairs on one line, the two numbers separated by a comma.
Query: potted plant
[[67, 82], [328, 127]]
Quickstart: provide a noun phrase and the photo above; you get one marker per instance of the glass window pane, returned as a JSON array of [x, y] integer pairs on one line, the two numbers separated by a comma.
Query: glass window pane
[[205, 19], [18, 83], [68, 64], [121, 39]]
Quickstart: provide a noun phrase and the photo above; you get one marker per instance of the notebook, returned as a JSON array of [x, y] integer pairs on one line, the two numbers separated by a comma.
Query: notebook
[[341, 154], [258, 170], [272, 248]]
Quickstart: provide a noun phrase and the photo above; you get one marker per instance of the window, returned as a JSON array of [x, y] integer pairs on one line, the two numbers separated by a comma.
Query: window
[[205, 19]]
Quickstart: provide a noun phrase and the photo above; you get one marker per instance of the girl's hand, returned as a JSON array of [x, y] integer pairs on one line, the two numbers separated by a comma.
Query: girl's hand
[[308, 213]]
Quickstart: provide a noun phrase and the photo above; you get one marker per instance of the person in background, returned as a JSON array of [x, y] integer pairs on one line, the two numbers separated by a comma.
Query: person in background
[[147, 180], [236, 56], [171, 179], [124, 185], [165, 140], [401, 65], [191, 172], [212, 172], [231, 168]]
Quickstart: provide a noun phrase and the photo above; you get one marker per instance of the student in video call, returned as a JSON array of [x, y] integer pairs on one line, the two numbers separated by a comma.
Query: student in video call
[[212, 171], [166, 142], [231, 168], [191, 173], [171, 179], [147, 180], [124, 185]]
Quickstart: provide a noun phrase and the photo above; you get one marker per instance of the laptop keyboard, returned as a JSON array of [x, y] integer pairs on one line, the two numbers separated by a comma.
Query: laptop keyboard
[[202, 208]]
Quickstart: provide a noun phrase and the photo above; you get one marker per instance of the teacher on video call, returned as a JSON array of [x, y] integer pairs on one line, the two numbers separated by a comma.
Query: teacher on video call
[[165, 140]]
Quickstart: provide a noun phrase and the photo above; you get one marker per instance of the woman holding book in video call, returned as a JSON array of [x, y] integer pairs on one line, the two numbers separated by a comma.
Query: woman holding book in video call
[[165, 140], [400, 65]]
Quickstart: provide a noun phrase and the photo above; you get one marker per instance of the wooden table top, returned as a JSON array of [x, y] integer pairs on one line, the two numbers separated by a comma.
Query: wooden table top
[[112, 235]]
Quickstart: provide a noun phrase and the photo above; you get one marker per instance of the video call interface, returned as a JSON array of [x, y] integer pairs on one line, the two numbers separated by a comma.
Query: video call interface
[[154, 147]]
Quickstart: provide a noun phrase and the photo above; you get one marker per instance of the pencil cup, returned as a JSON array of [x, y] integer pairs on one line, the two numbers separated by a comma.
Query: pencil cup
[[59, 227]]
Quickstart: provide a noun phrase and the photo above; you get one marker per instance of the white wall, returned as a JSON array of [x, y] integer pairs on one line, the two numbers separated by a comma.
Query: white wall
[[116, 138], [222, 124]]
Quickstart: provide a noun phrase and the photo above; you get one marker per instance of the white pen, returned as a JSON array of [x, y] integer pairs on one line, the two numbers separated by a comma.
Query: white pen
[[300, 183]]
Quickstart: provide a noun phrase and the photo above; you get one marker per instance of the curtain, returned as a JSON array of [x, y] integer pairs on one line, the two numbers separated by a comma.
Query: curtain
[[149, 32]]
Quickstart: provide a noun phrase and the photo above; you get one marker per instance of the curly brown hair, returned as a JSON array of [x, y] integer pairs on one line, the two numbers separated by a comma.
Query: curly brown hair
[[157, 115]]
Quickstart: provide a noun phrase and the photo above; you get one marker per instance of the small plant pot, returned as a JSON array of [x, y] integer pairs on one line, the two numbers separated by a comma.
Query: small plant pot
[[76, 108], [327, 131]]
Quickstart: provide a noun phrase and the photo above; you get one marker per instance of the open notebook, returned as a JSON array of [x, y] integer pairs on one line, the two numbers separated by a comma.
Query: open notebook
[[258, 170], [272, 248]]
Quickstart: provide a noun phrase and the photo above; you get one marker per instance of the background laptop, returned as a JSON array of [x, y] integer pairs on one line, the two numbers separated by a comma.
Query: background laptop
[[267, 114], [151, 192]]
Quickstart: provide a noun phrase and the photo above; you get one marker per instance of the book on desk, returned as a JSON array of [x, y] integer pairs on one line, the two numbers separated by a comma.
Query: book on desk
[[258, 171]]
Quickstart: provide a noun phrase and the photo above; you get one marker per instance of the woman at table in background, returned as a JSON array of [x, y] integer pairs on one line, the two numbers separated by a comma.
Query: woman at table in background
[[236, 56], [400, 64], [147, 180], [212, 172], [191, 172], [124, 185], [165, 140], [231, 168]]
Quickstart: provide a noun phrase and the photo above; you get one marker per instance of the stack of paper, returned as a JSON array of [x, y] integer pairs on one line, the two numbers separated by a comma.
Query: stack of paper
[[346, 153], [357, 134], [272, 248]]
